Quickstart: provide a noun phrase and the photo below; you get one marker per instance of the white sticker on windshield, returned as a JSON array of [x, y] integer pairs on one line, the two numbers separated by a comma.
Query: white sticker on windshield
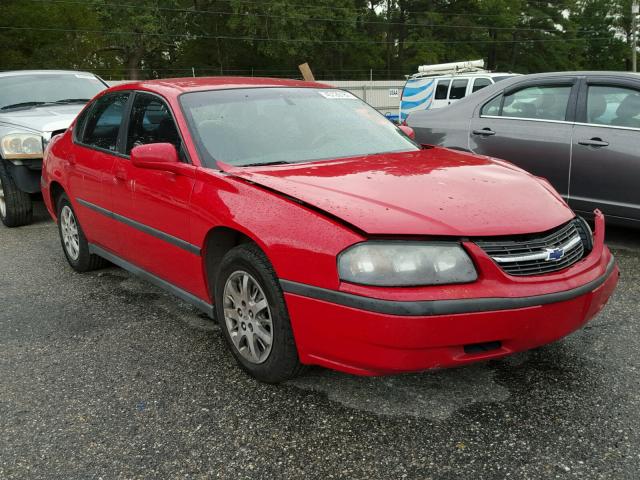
[[336, 94], [88, 77]]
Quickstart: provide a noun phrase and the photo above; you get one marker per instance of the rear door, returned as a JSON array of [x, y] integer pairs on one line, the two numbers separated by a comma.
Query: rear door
[[96, 149], [458, 89], [441, 95], [530, 124], [605, 169]]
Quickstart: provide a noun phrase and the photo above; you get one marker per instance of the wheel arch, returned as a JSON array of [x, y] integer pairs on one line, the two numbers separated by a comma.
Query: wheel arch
[[218, 241], [55, 191]]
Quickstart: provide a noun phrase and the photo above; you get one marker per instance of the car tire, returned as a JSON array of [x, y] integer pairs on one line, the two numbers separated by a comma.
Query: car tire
[[73, 241], [255, 322], [16, 207]]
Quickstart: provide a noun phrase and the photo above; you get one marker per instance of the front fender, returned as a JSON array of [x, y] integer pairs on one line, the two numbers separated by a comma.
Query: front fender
[[302, 244]]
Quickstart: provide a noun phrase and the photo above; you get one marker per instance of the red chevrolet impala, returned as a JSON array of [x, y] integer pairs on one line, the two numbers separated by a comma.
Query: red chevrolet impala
[[316, 231]]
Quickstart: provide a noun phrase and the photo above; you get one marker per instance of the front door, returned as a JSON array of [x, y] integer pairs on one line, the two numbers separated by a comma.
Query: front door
[[605, 170], [530, 126], [154, 204]]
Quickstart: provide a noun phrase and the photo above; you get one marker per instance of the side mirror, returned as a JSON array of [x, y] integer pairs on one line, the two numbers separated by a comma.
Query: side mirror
[[408, 131], [156, 156]]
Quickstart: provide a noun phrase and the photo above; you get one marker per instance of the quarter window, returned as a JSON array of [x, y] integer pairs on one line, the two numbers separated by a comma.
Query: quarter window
[[103, 123], [80, 123], [492, 107], [611, 105], [541, 102], [480, 83], [458, 89], [151, 122], [442, 89]]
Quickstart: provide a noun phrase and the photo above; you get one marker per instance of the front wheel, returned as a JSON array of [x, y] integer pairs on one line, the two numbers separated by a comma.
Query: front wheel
[[16, 207], [253, 316], [74, 243]]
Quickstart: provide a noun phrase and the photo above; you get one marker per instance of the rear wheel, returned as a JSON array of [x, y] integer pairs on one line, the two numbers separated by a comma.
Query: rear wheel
[[253, 316], [74, 243], [16, 208]]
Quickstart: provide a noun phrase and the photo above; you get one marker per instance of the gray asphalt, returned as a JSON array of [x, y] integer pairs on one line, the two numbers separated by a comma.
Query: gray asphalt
[[104, 376]]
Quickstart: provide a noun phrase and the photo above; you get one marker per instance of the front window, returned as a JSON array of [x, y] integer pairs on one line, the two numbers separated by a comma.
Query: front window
[[151, 122], [259, 126], [31, 90], [480, 83], [544, 102]]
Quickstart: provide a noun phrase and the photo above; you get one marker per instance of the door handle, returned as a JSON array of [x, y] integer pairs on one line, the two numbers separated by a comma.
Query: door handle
[[485, 132], [120, 174], [594, 142]]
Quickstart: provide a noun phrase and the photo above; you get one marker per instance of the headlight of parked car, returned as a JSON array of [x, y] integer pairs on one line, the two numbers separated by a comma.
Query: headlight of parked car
[[405, 263], [21, 145]]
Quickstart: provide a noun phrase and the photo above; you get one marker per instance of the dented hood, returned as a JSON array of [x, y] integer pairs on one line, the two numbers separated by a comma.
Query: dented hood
[[429, 192]]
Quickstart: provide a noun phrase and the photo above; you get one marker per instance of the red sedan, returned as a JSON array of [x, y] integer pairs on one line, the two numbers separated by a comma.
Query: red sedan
[[319, 233]]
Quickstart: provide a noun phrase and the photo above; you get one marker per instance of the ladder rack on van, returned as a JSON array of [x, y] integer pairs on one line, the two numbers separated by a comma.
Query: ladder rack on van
[[454, 68]]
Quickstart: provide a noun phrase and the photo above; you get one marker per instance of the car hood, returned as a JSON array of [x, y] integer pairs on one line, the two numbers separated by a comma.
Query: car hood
[[41, 119], [429, 192]]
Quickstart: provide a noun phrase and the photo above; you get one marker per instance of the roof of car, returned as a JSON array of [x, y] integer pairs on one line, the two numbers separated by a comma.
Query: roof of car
[[584, 74], [13, 73], [191, 84]]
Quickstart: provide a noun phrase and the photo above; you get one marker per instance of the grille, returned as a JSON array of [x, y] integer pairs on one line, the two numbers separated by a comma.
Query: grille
[[534, 254]]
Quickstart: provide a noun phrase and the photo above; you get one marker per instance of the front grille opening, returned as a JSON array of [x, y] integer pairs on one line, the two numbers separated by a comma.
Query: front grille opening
[[476, 348], [511, 253]]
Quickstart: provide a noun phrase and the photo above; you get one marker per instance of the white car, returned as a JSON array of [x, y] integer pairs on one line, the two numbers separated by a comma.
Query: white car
[[436, 86]]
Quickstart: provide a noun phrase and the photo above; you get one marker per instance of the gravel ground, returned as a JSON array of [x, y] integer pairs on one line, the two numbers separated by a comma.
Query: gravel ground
[[105, 376]]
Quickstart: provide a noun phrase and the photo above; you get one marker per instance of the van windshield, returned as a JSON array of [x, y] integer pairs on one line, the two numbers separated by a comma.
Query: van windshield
[[256, 126]]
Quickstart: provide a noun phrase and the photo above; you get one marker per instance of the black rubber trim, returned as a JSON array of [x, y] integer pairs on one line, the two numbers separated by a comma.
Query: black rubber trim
[[143, 228], [151, 278], [440, 307]]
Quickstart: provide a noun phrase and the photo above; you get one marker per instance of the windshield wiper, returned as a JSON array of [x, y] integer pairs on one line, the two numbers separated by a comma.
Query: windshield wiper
[[22, 104], [258, 164], [72, 100]]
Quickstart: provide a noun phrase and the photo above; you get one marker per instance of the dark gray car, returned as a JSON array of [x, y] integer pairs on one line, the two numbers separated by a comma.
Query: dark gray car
[[34, 106], [579, 130]]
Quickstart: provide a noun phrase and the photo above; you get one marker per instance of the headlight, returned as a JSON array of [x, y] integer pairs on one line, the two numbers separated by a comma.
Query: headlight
[[405, 263], [21, 145]]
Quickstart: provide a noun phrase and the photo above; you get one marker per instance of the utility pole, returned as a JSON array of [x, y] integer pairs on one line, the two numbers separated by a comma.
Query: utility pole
[[634, 30]]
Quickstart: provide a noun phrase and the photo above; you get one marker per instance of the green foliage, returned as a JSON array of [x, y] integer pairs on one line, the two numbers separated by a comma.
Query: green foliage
[[339, 38]]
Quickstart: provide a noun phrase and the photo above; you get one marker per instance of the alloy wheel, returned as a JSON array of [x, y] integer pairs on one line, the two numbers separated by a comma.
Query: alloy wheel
[[69, 230], [247, 317]]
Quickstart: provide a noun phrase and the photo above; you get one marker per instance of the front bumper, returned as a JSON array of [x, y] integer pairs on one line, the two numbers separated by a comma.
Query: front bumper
[[371, 336], [26, 174]]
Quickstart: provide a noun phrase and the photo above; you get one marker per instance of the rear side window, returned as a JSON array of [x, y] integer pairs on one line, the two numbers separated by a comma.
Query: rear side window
[[103, 123], [538, 102], [480, 83], [613, 105], [151, 122], [493, 107], [442, 89]]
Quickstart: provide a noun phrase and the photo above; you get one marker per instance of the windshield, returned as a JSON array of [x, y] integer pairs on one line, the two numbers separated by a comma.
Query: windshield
[[257, 126], [31, 90]]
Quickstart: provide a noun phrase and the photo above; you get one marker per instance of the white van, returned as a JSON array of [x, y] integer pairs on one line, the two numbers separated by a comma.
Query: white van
[[436, 86]]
